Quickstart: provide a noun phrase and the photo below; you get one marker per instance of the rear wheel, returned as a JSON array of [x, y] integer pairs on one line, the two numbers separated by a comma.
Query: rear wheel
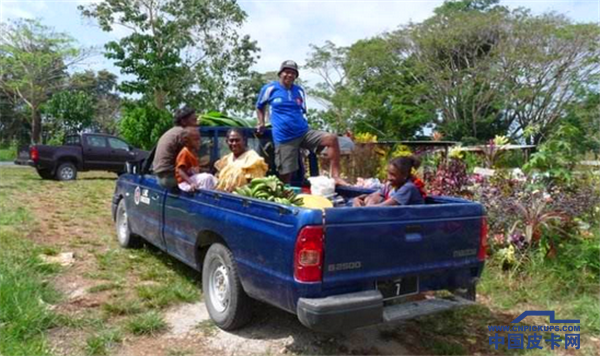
[[66, 171], [469, 293], [124, 236], [45, 173], [227, 303]]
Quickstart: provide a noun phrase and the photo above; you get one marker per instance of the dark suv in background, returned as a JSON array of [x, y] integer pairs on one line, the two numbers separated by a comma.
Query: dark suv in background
[[85, 152]]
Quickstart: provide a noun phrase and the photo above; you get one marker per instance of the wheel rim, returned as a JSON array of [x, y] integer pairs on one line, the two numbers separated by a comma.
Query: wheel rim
[[219, 287], [67, 173], [122, 226]]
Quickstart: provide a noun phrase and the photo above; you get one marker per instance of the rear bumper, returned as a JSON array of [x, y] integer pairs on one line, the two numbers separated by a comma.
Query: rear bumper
[[24, 162], [353, 310]]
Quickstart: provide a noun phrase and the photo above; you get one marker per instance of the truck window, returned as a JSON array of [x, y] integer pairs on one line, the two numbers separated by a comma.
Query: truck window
[[73, 141], [117, 144], [96, 141]]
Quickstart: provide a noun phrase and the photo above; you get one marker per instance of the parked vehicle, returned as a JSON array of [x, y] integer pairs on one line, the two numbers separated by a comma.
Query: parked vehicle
[[336, 269], [85, 152]]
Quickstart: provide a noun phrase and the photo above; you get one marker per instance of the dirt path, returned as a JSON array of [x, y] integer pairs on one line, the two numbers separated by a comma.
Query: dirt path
[[102, 286], [271, 332]]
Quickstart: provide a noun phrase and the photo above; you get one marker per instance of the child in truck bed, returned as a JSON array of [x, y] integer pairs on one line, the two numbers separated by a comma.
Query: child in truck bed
[[400, 188], [187, 166]]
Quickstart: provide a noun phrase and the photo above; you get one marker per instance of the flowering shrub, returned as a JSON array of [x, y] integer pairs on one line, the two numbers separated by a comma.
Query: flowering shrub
[[526, 213], [450, 178]]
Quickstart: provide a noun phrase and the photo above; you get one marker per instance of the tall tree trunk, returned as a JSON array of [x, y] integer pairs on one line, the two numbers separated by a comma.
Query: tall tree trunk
[[159, 99], [36, 125]]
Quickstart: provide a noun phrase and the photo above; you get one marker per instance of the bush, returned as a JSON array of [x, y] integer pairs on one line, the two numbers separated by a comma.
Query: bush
[[143, 125]]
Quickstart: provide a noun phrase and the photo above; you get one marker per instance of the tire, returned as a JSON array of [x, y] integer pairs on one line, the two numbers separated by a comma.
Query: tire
[[66, 171], [45, 174], [124, 236], [227, 303], [469, 293]]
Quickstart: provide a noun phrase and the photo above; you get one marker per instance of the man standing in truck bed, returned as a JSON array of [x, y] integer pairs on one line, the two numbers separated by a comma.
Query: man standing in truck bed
[[290, 127]]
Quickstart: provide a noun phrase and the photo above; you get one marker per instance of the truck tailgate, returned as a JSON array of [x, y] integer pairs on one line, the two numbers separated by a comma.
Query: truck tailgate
[[372, 244]]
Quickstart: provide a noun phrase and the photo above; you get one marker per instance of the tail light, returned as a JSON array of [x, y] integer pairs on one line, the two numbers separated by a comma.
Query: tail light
[[308, 255], [34, 154], [481, 255]]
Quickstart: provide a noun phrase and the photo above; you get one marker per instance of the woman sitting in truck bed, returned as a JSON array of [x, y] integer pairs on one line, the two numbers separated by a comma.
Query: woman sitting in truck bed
[[400, 188], [241, 165]]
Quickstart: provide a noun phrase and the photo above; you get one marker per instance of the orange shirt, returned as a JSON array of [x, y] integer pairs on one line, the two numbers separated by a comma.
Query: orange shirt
[[186, 160]]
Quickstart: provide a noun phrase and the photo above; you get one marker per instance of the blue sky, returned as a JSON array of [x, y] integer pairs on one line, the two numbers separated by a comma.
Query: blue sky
[[285, 28]]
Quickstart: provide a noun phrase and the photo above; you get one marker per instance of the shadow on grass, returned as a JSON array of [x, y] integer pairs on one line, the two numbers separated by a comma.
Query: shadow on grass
[[170, 262]]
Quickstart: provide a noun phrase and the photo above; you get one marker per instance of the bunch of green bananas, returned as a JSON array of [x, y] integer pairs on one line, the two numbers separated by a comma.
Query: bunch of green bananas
[[215, 118], [269, 188]]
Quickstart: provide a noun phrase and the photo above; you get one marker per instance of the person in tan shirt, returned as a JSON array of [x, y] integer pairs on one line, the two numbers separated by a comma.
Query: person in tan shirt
[[241, 165], [169, 145]]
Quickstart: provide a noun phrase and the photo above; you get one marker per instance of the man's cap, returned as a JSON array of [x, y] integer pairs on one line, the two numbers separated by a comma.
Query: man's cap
[[289, 64], [182, 113]]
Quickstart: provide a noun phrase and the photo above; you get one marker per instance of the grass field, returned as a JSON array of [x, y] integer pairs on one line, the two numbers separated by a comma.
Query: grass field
[[126, 289], [111, 297]]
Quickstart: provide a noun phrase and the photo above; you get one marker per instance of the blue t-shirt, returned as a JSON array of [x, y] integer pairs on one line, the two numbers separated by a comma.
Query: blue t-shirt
[[287, 110], [407, 194]]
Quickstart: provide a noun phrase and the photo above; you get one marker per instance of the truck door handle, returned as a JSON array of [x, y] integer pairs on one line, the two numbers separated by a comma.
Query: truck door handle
[[154, 197]]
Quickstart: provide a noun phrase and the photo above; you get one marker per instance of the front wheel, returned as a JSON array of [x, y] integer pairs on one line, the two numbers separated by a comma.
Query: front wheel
[[124, 236], [226, 302], [66, 171]]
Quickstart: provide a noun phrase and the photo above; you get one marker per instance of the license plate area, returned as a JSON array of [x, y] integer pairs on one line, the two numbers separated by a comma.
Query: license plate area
[[399, 287]]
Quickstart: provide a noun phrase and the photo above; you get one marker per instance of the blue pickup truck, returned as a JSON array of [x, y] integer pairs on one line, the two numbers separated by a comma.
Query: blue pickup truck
[[336, 269]]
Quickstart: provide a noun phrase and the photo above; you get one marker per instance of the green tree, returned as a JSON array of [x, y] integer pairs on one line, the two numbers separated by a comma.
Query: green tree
[[101, 87], [69, 112], [327, 62], [494, 71], [549, 60], [179, 50], [387, 99], [143, 124], [367, 87], [33, 64]]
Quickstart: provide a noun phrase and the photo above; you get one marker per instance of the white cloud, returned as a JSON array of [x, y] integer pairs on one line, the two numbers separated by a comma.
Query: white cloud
[[284, 30], [12, 11]]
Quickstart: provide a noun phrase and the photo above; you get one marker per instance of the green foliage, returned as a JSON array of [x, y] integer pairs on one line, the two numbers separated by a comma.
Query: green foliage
[[143, 125], [367, 88], [9, 153], [496, 72], [452, 6], [558, 155], [100, 86], [387, 99], [34, 61], [185, 50], [69, 112], [568, 282], [24, 296], [101, 343]]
